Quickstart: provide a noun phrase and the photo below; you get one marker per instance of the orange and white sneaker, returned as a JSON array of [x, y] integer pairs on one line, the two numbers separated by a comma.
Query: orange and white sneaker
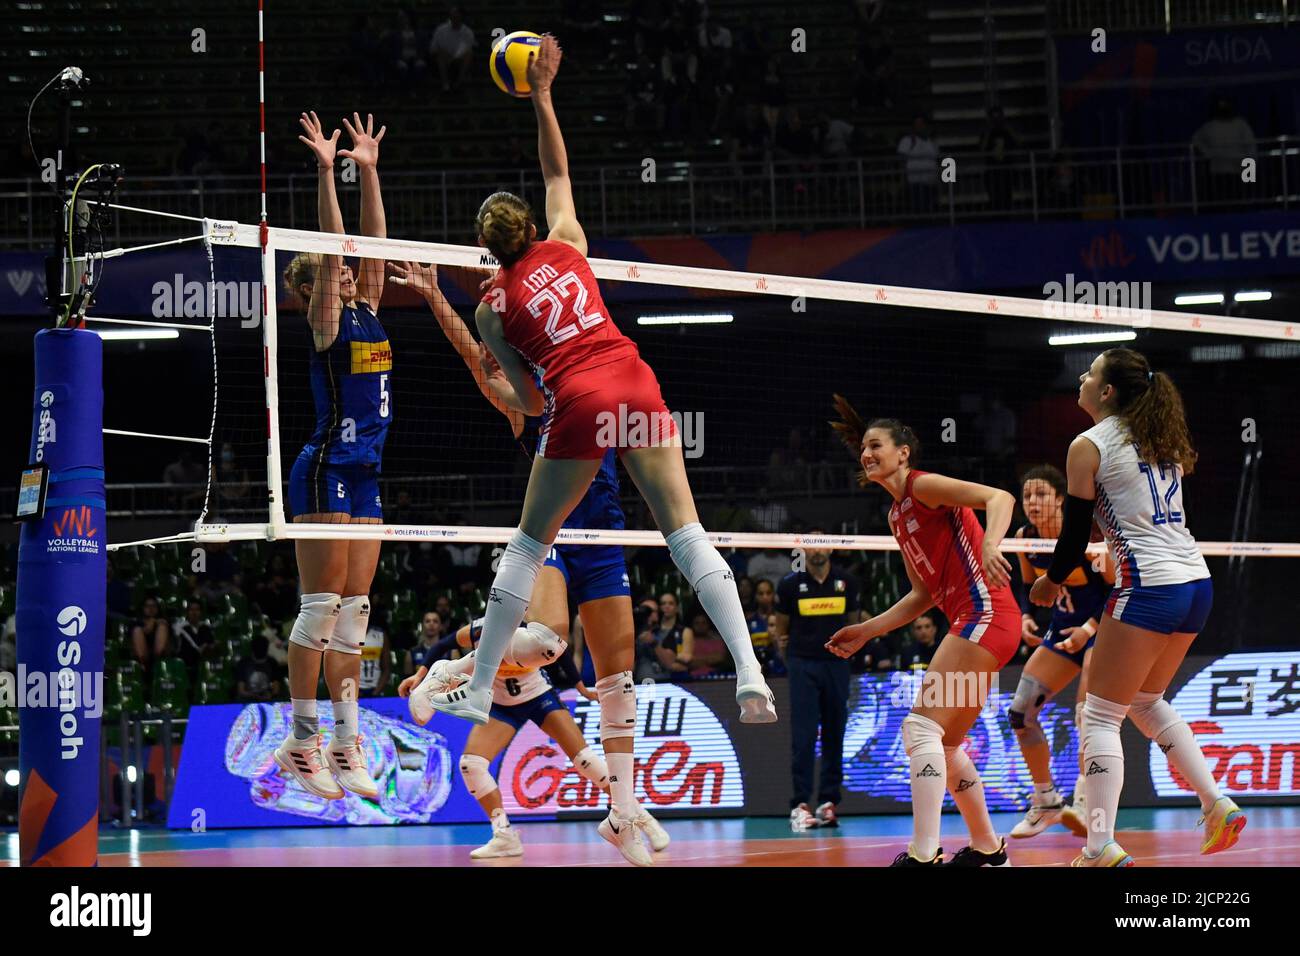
[[348, 761], [1075, 816], [301, 759], [626, 835], [1112, 854], [1223, 825]]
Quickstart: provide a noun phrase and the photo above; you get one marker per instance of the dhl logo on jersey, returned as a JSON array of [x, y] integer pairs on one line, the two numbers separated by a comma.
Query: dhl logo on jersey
[[818, 606], [371, 357], [509, 670]]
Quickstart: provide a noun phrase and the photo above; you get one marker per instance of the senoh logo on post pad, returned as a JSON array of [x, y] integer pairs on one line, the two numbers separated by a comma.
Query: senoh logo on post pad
[[684, 759], [45, 425], [1244, 710]]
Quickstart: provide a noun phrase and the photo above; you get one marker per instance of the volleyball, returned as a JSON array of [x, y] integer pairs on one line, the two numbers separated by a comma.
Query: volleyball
[[509, 61]]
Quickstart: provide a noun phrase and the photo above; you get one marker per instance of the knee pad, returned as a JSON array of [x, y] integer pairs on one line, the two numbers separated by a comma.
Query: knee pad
[[694, 554], [922, 735], [317, 616], [474, 771], [534, 645], [519, 565], [1103, 719], [617, 696], [592, 766], [1078, 718], [351, 626], [1025, 707], [1152, 714]]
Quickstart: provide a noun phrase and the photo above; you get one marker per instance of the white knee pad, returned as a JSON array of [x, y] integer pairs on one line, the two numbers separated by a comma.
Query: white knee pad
[[474, 771], [922, 735], [592, 766], [694, 554], [353, 622], [1025, 707], [317, 616], [1152, 714], [617, 696], [1103, 719], [534, 645]]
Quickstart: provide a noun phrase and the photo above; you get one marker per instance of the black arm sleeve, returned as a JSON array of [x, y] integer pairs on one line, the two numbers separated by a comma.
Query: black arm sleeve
[[446, 646], [1076, 529]]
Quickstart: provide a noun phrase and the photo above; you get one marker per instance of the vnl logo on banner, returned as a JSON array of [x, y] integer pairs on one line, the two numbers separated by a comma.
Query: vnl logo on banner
[[67, 690], [1245, 712]]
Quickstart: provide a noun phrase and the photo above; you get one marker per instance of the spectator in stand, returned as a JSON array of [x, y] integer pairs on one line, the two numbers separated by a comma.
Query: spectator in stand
[[770, 563], [366, 49], [434, 644], [772, 96], [835, 136], [645, 625], [376, 660], [1224, 140], [277, 596], [918, 650], [257, 677], [8, 646], [679, 66], [186, 471], [749, 141], [716, 70], [762, 619], [731, 515], [920, 166], [194, 639], [794, 140], [1062, 192], [770, 516], [811, 605], [997, 144], [644, 97], [709, 654], [220, 574], [874, 72], [150, 635], [407, 67], [230, 482], [451, 621], [745, 588], [462, 560], [996, 424], [878, 654], [452, 47], [674, 641], [648, 18]]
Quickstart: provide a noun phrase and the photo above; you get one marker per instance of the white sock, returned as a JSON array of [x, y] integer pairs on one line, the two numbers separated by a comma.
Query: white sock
[[622, 784], [507, 601], [967, 791], [305, 720], [928, 769], [1158, 720], [345, 719], [1045, 794], [1103, 775], [715, 586], [499, 819]]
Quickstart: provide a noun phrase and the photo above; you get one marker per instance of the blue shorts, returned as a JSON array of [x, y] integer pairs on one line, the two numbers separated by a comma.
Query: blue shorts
[[333, 489], [1165, 608], [1053, 638], [592, 571], [536, 710]]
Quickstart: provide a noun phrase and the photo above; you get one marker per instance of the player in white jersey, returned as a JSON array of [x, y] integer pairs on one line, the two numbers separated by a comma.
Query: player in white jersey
[[520, 693], [1128, 470]]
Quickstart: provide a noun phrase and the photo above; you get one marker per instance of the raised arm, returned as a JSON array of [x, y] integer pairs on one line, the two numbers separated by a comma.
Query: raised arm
[[324, 306], [561, 217], [512, 364], [365, 153], [424, 279]]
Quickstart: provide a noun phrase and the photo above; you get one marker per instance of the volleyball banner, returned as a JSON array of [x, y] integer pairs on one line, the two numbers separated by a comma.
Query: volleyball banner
[[60, 608]]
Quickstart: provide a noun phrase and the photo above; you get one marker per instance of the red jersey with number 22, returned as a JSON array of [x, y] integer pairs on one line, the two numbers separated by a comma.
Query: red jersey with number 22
[[945, 547], [553, 314]]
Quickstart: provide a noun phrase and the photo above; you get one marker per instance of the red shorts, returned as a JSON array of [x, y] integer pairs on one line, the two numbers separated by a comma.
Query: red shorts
[[618, 405], [997, 631]]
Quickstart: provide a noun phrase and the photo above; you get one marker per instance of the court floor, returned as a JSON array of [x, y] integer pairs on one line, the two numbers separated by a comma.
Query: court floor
[[1164, 837]]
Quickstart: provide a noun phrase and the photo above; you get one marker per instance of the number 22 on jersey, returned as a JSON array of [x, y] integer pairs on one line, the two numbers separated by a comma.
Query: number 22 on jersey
[[550, 302]]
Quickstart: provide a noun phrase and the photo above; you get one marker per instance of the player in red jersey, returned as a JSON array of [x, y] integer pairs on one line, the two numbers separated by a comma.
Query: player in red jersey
[[953, 563], [544, 313]]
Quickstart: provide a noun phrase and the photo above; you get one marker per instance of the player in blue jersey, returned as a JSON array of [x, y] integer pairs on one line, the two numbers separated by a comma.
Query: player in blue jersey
[[336, 477], [1062, 652], [596, 574]]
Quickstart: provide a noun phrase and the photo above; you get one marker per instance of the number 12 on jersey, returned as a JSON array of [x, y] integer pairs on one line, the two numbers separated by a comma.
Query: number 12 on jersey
[[1171, 513]]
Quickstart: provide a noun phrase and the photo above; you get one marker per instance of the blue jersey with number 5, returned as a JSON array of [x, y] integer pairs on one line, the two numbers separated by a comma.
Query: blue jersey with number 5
[[352, 383]]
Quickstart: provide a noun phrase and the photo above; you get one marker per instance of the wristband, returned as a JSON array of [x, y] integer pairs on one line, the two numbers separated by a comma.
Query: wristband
[[1088, 628]]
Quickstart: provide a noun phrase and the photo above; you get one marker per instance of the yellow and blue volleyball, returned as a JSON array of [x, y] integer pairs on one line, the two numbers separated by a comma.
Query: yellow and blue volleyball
[[509, 61]]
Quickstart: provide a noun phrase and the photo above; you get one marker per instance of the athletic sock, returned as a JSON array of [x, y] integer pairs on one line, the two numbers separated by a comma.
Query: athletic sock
[[512, 589], [1103, 775], [1045, 795], [345, 720], [622, 784], [967, 791], [1181, 750], [305, 721], [715, 586], [927, 765]]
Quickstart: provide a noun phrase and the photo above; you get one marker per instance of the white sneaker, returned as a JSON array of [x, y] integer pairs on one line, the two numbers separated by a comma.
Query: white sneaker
[[505, 842], [348, 761], [1076, 817], [301, 759], [653, 830], [801, 818], [461, 702], [1037, 819], [757, 703], [626, 835], [437, 681]]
